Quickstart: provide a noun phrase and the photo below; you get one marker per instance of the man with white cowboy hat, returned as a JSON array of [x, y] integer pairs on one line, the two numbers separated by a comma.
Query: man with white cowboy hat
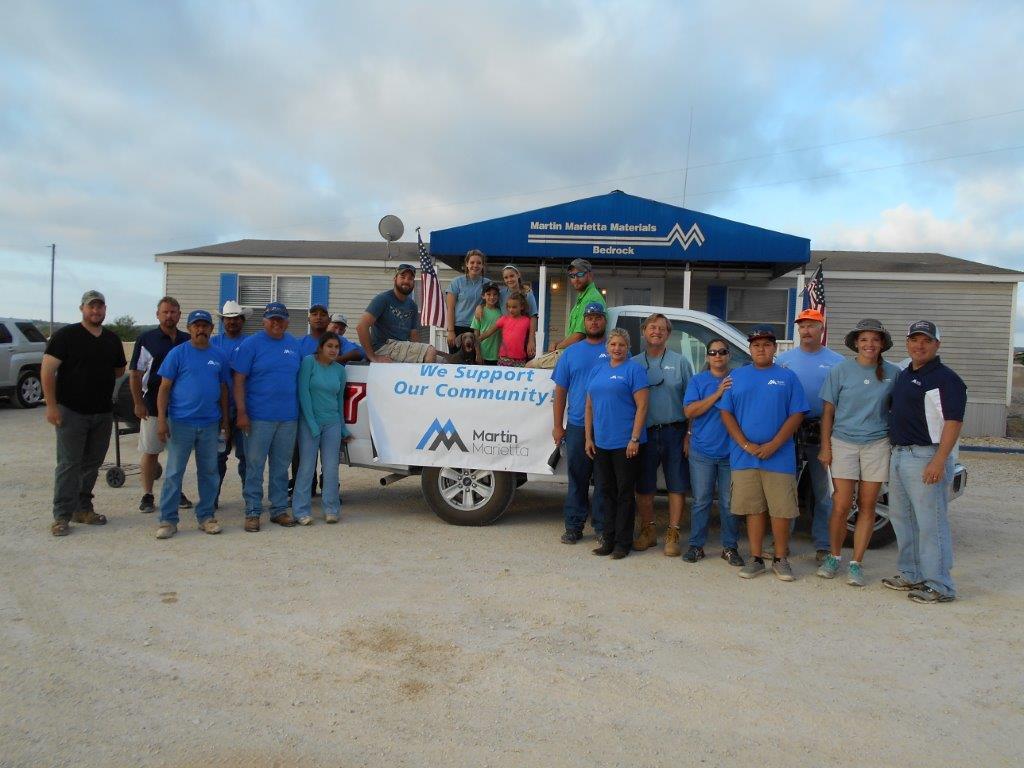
[[232, 318]]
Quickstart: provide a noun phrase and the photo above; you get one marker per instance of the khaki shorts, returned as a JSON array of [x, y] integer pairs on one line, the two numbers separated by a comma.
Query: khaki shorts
[[547, 360], [861, 461], [755, 491], [405, 351], [148, 440]]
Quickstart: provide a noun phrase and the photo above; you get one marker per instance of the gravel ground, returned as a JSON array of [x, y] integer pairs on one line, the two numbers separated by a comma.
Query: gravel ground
[[393, 639]]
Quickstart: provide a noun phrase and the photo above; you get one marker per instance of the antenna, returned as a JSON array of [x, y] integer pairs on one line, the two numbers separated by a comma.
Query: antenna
[[391, 228]]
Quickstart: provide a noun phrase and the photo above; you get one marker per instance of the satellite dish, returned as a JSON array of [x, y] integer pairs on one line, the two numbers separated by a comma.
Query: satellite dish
[[391, 228]]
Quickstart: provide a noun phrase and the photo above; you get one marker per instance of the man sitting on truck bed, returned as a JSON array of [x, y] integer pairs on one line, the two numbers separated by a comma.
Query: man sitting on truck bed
[[388, 328]]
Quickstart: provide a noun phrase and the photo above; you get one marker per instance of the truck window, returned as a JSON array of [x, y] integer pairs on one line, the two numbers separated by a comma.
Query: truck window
[[32, 333], [688, 339], [5, 335]]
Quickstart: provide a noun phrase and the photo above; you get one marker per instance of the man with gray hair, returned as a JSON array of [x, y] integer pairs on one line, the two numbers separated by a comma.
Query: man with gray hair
[[80, 365]]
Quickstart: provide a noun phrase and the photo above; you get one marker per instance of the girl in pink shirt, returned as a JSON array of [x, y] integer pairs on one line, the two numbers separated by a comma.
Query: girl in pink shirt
[[515, 333]]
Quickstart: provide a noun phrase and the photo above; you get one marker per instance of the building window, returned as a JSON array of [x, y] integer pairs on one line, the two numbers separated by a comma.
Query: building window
[[747, 307], [256, 291]]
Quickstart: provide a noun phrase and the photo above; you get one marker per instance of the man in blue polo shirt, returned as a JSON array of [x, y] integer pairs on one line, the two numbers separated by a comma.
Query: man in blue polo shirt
[[928, 405], [192, 407], [570, 377], [233, 319], [266, 369], [761, 411]]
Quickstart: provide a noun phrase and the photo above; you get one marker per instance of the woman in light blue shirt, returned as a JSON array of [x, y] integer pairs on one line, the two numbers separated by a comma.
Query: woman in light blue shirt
[[321, 428], [463, 296]]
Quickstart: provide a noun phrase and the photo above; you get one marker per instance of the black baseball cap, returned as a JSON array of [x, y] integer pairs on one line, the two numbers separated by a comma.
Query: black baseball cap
[[761, 332], [927, 327]]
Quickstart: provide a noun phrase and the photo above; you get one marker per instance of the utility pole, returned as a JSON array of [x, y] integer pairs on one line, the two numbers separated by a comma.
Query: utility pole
[[53, 262]]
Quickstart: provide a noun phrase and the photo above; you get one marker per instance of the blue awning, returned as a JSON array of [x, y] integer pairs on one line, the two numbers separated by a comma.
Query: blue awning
[[617, 227]]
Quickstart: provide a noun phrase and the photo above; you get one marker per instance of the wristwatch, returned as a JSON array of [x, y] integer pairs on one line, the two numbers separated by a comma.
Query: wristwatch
[[634, 439]]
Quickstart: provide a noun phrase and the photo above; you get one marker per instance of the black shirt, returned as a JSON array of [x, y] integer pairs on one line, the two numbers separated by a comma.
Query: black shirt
[[85, 379], [150, 350], [922, 401]]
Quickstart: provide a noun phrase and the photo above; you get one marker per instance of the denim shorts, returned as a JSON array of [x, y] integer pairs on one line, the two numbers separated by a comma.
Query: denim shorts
[[664, 446]]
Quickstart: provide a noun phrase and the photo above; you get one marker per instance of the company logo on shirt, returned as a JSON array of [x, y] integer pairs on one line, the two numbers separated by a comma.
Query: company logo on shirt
[[615, 377], [915, 381], [289, 351], [776, 383], [214, 363]]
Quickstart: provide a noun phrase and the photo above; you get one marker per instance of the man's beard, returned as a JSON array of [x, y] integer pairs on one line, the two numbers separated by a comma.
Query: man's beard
[[402, 289]]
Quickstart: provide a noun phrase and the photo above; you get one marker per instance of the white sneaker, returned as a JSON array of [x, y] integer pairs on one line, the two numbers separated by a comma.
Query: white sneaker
[[330, 518], [307, 520]]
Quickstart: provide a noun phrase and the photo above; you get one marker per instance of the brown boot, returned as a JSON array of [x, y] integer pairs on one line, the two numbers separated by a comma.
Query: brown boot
[[648, 537], [672, 542]]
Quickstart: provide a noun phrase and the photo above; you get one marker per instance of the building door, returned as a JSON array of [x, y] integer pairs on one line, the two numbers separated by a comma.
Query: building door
[[644, 291]]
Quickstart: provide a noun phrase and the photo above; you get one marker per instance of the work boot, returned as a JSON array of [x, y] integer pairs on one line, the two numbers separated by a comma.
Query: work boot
[[672, 542], [648, 537]]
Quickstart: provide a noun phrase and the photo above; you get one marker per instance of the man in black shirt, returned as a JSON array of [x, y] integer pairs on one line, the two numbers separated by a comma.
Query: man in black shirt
[[80, 365]]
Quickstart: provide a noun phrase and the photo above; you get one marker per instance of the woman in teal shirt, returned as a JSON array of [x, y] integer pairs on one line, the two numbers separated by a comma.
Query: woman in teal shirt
[[321, 428]]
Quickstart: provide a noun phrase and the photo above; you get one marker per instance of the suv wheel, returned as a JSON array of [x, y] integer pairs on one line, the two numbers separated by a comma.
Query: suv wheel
[[29, 392]]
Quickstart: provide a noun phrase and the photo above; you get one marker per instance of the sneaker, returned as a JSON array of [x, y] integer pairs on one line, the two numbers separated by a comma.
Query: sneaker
[[648, 537], [329, 518], [166, 530], [285, 520], [184, 503], [732, 557], [210, 525], [820, 555], [307, 520], [693, 554], [899, 584], [672, 548], [783, 570], [753, 569], [571, 537], [147, 505], [855, 575], [829, 567], [929, 595], [252, 524]]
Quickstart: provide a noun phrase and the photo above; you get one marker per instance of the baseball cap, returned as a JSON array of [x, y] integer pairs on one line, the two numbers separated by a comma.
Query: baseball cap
[[490, 285], [232, 309], [275, 309], [810, 314], [594, 308], [580, 265], [90, 296], [405, 268], [199, 315], [315, 307], [927, 327], [339, 318], [761, 332]]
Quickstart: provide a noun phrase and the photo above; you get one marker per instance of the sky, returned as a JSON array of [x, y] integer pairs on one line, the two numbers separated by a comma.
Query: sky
[[129, 129]]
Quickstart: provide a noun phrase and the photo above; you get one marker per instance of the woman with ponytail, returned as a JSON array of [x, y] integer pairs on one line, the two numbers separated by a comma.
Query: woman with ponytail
[[855, 440]]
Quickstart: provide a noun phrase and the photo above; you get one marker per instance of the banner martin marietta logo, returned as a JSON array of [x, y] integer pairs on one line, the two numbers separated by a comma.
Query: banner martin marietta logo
[[623, 243], [446, 434]]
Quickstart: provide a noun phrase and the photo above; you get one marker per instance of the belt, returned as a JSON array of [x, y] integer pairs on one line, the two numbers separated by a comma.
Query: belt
[[670, 424]]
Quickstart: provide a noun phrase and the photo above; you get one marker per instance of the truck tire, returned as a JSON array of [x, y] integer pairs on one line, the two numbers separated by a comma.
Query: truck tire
[[29, 392], [467, 496]]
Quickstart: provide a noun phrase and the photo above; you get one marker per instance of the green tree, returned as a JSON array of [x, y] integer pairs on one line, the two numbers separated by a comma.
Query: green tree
[[125, 328]]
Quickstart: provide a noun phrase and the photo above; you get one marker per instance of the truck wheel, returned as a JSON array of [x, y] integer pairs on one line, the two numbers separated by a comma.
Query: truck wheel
[[881, 534], [467, 496], [29, 392]]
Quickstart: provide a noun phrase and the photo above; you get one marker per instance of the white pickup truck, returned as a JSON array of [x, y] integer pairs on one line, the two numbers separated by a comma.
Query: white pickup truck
[[471, 496]]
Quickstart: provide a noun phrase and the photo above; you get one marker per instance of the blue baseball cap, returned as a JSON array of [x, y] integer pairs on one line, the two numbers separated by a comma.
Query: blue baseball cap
[[594, 308], [406, 268], [199, 315], [275, 309], [927, 327]]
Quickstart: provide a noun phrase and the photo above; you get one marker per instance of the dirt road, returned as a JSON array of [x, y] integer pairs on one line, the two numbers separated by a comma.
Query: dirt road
[[393, 639]]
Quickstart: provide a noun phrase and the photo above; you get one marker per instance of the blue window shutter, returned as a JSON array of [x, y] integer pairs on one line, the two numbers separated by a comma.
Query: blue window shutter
[[791, 313], [717, 301], [320, 290], [228, 291]]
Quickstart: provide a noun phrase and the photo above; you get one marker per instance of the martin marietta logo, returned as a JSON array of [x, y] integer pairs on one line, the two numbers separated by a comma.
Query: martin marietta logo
[[446, 435], [623, 244]]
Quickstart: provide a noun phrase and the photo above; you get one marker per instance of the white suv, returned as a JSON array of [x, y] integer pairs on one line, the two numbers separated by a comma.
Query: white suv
[[21, 356]]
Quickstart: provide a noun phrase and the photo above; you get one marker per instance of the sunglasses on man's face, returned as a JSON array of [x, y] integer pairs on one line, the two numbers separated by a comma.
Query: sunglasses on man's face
[[577, 275], [718, 352]]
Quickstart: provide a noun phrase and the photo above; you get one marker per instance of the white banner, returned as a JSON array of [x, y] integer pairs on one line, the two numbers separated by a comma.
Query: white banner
[[468, 416]]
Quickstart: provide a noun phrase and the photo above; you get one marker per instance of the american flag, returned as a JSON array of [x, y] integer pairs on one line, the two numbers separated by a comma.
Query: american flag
[[814, 298], [432, 308]]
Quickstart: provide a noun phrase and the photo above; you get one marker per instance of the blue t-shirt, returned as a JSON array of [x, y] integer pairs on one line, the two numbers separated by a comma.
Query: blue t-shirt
[[811, 368], [531, 301], [860, 399], [394, 319], [571, 374], [761, 399], [709, 436], [308, 345], [467, 297], [667, 377], [271, 368], [228, 345], [923, 401], [349, 346], [611, 393], [198, 375]]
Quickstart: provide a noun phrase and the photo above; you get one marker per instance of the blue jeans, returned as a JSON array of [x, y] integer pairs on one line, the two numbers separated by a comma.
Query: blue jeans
[[328, 445], [238, 439], [581, 469], [705, 473], [269, 442], [822, 498], [184, 439], [919, 515]]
